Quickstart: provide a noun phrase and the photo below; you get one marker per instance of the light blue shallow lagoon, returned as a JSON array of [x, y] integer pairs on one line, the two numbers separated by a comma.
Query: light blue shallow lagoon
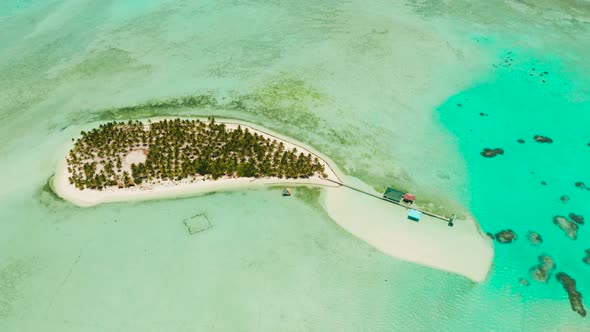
[[374, 85]]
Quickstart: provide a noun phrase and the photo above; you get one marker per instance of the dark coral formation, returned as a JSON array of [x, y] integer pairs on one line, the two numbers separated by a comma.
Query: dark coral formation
[[505, 236], [564, 198], [569, 227], [543, 183], [534, 237], [577, 218], [521, 141], [575, 297], [490, 153], [490, 235], [581, 185], [542, 139], [543, 271], [587, 258], [524, 282]]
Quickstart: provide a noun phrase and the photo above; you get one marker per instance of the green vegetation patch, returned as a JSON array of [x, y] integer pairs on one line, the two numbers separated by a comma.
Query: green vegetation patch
[[159, 107], [286, 101], [47, 196], [10, 278], [309, 195], [102, 63], [51, 204], [288, 93], [119, 154]]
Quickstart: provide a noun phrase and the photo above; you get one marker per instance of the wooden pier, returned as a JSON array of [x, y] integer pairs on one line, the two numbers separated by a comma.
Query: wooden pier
[[447, 219]]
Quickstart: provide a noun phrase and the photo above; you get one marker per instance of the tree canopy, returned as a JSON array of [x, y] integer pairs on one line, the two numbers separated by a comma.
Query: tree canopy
[[180, 149]]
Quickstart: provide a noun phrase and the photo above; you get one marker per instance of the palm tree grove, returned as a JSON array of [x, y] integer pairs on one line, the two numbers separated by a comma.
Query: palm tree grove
[[172, 150]]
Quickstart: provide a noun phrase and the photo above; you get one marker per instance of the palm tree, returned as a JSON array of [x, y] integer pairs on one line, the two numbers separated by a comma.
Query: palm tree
[[178, 149]]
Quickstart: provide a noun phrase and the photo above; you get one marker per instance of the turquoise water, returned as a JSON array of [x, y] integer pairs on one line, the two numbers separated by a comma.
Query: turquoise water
[[356, 80], [527, 95]]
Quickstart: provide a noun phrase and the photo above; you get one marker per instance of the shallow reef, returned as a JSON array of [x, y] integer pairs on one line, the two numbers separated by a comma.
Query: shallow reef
[[524, 282], [534, 237], [575, 297], [567, 226], [542, 271], [577, 218], [505, 236], [285, 101], [490, 153], [542, 139]]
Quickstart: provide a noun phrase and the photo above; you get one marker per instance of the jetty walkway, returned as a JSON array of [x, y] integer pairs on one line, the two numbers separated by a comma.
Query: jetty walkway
[[447, 219]]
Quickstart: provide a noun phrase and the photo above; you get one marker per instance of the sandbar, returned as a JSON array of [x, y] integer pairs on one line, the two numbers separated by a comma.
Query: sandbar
[[462, 249]]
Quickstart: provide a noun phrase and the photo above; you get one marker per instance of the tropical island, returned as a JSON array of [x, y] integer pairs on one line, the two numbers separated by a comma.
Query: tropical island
[[154, 159], [170, 155]]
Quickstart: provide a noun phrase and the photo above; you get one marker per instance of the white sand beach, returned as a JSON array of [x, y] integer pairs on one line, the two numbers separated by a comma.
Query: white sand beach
[[462, 249], [167, 189]]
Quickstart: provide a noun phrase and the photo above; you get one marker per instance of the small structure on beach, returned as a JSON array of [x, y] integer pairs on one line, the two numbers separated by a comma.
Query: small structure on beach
[[409, 198], [286, 191], [393, 194], [451, 220], [414, 215]]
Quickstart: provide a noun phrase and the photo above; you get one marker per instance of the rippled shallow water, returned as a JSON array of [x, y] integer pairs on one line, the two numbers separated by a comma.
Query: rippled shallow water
[[376, 101]]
